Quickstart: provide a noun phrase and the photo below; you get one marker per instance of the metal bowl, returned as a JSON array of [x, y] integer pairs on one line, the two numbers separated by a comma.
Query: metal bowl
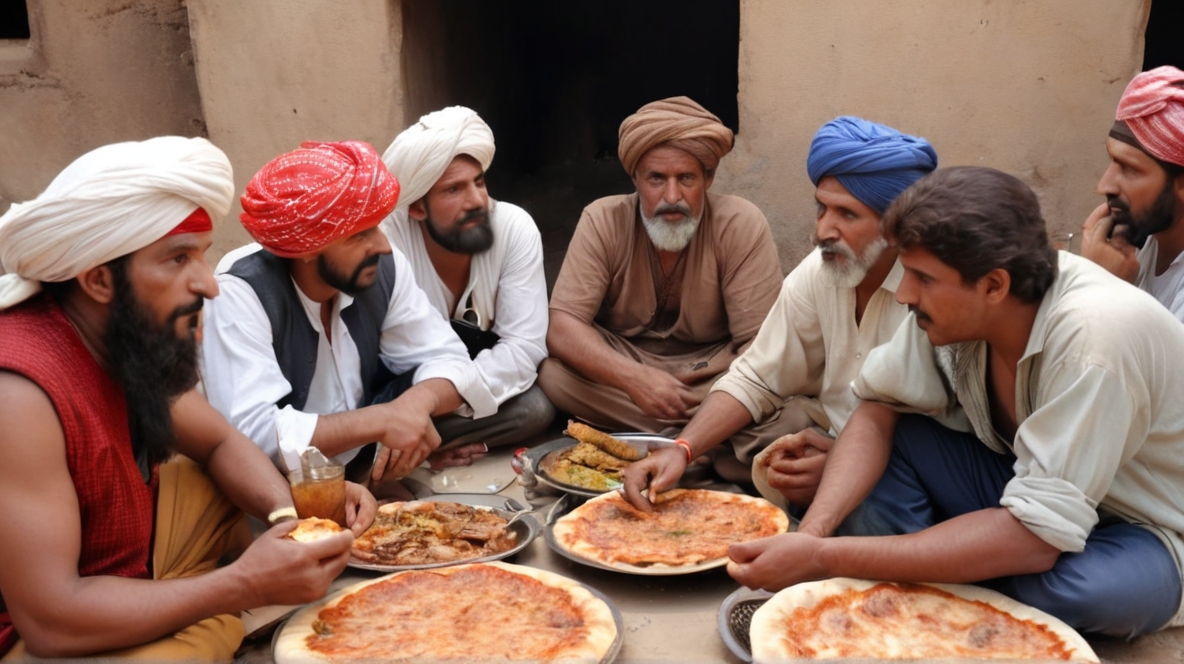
[[537, 458], [735, 617]]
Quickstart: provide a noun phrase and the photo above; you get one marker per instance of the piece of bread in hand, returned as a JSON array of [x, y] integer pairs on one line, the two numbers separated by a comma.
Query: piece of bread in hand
[[313, 529]]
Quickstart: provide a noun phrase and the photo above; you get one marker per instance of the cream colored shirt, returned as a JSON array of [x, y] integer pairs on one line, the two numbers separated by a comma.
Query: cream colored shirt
[[508, 291], [1099, 404], [811, 348], [1168, 287]]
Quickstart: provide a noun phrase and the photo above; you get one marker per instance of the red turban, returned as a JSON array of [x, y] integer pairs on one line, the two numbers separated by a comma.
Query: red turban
[[302, 201], [678, 122], [1153, 107]]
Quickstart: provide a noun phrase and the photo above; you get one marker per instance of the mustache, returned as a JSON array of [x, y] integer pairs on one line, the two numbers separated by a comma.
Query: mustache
[[681, 208], [1117, 203], [834, 247], [478, 213], [368, 262], [186, 310], [921, 315]]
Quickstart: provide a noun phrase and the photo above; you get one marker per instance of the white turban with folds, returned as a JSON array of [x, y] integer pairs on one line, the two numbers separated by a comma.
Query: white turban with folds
[[421, 154], [110, 202]]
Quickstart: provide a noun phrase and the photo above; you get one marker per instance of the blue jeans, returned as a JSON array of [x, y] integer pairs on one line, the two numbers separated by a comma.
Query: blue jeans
[[1125, 583]]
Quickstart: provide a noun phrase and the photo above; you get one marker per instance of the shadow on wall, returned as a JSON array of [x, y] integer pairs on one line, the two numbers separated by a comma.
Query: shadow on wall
[[554, 80]]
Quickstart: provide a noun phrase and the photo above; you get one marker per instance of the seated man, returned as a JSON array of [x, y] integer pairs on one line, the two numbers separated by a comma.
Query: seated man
[[833, 309], [660, 289], [1138, 233], [315, 317], [480, 262], [109, 551], [1061, 481]]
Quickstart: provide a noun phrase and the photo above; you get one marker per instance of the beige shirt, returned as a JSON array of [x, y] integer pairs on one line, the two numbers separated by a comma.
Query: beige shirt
[[1099, 404], [1168, 287], [810, 347], [731, 272]]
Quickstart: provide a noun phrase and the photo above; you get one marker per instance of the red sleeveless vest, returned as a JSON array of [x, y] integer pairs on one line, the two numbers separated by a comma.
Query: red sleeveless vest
[[115, 505]]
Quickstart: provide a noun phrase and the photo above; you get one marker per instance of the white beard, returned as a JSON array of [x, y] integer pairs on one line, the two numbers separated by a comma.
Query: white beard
[[853, 270], [670, 237]]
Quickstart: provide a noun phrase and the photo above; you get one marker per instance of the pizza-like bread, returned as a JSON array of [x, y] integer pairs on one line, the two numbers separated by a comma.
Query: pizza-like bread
[[429, 532], [313, 529], [466, 613], [851, 618], [687, 527]]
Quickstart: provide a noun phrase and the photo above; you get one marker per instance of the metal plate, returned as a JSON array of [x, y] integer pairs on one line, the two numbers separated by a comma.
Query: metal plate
[[609, 656], [526, 528], [654, 570], [735, 617], [540, 455]]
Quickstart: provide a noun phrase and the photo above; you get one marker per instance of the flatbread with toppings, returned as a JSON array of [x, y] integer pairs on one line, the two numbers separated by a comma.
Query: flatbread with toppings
[[313, 529], [467, 613], [850, 618], [687, 527], [430, 532]]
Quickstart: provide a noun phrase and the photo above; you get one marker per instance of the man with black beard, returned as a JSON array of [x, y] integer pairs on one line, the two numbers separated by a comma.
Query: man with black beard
[[1138, 233], [112, 543], [836, 306], [321, 337], [480, 263]]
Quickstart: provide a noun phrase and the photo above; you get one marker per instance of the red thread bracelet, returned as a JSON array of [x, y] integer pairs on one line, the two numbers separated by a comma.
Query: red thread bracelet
[[687, 448]]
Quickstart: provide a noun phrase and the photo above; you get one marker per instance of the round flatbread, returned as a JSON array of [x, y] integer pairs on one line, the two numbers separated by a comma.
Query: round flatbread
[[313, 529], [467, 613], [853, 618], [688, 527]]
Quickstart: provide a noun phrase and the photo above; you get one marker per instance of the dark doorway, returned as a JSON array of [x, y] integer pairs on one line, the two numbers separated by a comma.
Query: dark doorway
[[1164, 39], [555, 79], [14, 19]]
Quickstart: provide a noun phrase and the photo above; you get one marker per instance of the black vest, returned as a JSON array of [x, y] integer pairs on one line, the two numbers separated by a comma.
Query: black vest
[[293, 337]]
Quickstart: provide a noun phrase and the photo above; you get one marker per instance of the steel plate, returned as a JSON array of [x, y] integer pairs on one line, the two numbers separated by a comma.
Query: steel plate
[[539, 456]]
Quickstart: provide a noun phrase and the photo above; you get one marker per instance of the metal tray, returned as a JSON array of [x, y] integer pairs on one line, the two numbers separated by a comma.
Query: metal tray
[[735, 617], [526, 528], [609, 656], [538, 457]]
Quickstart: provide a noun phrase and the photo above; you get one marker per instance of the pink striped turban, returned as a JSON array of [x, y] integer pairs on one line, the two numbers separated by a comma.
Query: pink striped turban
[[678, 122], [302, 201], [1153, 108]]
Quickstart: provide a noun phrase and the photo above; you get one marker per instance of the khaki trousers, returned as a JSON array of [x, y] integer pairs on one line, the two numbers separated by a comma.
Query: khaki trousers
[[195, 526]]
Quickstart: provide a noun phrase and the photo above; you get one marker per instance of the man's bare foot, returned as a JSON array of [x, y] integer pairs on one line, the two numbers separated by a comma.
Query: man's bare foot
[[464, 455]]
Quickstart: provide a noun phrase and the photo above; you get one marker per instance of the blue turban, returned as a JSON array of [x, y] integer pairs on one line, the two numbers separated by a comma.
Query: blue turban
[[872, 161]]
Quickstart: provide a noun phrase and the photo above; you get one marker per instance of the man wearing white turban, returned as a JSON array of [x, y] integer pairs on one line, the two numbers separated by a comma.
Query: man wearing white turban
[[662, 288], [96, 375], [480, 262]]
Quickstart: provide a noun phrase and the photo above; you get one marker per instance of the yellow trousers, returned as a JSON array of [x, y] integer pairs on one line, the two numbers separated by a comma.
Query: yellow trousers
[[195, 526]]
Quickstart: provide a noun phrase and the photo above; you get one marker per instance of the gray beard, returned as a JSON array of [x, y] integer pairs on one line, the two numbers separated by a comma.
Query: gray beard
[[853, 272], [670, 237]]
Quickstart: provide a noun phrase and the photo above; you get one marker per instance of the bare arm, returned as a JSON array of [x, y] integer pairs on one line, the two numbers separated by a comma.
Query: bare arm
[[720, 416], [57, 612], [972, 547], [577, 344], [853, 466], [407, 433]]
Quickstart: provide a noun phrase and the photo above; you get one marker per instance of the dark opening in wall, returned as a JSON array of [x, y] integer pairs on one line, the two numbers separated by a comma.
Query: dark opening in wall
[[14, 19], [554, 80], [1164, 38]]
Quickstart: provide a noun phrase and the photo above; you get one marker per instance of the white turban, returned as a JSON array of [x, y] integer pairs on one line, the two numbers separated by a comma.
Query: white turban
[[421, 154], [110, 202]]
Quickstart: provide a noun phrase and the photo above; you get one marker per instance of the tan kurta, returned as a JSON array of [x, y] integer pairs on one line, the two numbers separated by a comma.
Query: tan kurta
[[730, 279]]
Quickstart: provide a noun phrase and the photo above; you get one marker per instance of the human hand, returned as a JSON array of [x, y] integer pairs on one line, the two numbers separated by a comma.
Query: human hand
[[464, 455], [776, 562], [409, 436], [659, 471], [795, 463], [1105, 244], [661, 395], [360, 508], [276, 570]]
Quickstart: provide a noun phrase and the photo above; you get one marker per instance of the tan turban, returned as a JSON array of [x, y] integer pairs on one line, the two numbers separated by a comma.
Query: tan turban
[[421, 154], [110, 202], [678, 122], [302, 201]]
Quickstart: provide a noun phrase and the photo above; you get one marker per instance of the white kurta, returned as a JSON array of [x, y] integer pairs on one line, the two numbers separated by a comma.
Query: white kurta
[[1168, 287], [508, 289], [1098, 405], [244, 382], [810, 347]]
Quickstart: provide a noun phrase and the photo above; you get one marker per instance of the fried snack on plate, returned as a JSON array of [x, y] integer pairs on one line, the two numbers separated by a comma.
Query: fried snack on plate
[[617, 448]]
